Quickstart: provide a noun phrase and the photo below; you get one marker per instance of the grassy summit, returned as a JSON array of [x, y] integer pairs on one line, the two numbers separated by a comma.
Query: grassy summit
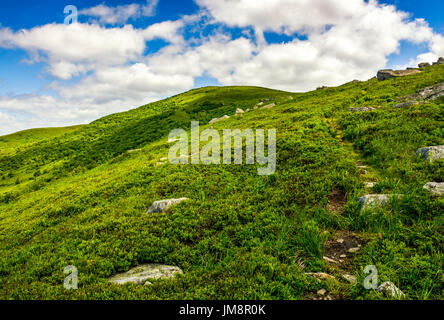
[[78, 197]]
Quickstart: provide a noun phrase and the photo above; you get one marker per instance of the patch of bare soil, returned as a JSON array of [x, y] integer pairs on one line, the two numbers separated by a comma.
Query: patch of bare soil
[[340, 250], [336, 201]]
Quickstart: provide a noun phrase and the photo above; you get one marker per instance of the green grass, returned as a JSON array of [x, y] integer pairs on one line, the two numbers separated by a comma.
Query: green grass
[[77, 197]]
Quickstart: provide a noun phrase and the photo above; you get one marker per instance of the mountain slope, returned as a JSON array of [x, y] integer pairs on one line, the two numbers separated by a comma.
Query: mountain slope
[[81, 199]]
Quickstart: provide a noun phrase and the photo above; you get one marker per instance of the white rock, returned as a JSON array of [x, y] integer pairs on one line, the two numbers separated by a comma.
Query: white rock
[[350, 278], [320, 275], [390, 288], [322, 292], [353, 250], [436, 188], [269, 106], [219, 119], [239, 111], [164, 205], [377, 200], [369, 184], [330, 260], [141, 274], [431, 153]]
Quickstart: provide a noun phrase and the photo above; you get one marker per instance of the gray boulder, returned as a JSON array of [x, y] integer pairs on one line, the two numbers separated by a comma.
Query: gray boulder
[[436, 188], [143, 273], [440, 60], [377, 200], [431, 153], [389, 73], [164, 205], [404, 104], [424, 65]]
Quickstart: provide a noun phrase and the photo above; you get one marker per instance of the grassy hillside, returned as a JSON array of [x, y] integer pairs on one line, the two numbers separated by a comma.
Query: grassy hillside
[[9, 143], [79, 198]]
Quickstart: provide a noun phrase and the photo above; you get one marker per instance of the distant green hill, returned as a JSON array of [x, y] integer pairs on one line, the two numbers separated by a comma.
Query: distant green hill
[[26, 138], [76, 196]]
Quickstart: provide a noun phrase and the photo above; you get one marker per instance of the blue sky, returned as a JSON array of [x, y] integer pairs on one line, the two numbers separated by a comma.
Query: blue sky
[[122, 54]]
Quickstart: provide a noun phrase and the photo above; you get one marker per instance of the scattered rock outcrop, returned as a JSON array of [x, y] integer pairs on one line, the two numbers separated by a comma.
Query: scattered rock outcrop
[[218, 119], [389, 73], [164, 205], [388, 288], [435, 188], [424, 65], [143, 273], [431, 93], [377, 200], [361, 109], [432, 153], [440, 61]]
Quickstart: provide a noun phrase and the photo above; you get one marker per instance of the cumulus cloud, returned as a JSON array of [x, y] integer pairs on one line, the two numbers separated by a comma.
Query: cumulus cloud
[[120, 14], [71, 50], [343, 40]]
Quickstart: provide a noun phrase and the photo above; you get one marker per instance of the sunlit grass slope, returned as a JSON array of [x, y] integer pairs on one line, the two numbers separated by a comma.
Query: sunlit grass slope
[[79, 198]]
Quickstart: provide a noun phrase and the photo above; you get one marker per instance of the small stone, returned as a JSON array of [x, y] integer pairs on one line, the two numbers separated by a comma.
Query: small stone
[[369, 184], [353, 250], [431, 153], [269, 106], [239, 111], [164, 205], [322, 292], [361, 109], [134, 150], [343, 256], [436, 188], [163, 159], [350, 278], [340, 240], [320, 275], [389, 288], [329, 260]]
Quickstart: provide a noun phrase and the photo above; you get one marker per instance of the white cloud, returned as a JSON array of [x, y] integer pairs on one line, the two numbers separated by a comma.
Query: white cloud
[[71, 50], [344, 40], [9, 124], [120, 14]]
